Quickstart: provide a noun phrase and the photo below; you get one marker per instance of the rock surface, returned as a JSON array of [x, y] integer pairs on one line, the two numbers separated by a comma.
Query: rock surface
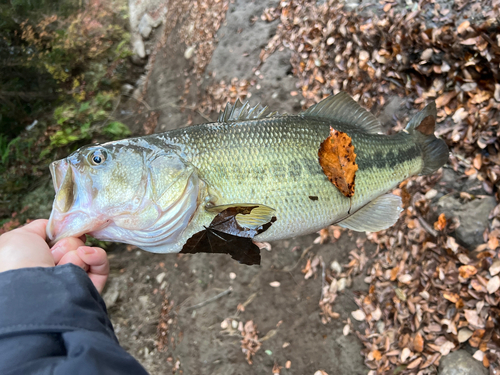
[[146, 26], [138, 46], [473, 217], [461, 363]]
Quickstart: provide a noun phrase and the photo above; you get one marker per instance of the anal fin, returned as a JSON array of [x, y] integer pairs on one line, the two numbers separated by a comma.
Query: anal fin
[[260, 214], [379, 214]]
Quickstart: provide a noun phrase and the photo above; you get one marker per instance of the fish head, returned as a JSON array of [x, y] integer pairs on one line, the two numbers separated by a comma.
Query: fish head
[[121, 192]]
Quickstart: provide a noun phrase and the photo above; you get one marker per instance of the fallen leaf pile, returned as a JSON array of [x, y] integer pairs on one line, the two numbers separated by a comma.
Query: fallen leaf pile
[[200, 20], [428, 295], [219, 94], [204, 18], [337, 158], [399, 52]]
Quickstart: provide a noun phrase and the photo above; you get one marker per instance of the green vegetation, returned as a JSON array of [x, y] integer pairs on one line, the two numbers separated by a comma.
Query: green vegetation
[[59, 86]]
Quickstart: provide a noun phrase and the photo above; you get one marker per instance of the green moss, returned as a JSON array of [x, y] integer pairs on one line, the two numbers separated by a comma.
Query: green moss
[[65, 68]]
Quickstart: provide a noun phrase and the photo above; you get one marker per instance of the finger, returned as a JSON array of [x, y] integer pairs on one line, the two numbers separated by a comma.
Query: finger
[[64, 246], [25, 247], [97, 261], [73, 258], [37, 227]]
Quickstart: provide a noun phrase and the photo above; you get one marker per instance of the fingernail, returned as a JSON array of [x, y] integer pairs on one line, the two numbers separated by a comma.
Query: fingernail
[[88, 250], [57, 249]]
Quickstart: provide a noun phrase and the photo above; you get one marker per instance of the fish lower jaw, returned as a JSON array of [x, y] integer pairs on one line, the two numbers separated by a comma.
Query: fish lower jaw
[[72, 224]]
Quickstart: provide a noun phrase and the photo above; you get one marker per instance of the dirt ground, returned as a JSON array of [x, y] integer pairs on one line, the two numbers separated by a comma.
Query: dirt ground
[[288, 315]]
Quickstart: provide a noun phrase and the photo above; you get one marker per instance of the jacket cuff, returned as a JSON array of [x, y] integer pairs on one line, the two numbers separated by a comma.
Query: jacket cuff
[[51, 299]]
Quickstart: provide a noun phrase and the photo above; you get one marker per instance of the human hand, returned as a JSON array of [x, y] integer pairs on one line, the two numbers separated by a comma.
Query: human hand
[[92, 260], [26, 247]]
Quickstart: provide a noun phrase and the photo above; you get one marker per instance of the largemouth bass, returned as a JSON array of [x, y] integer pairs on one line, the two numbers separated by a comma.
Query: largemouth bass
[[157, 191]]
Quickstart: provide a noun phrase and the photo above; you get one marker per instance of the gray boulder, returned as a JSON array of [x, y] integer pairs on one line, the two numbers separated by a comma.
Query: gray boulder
[[461, 363], [473, 217]]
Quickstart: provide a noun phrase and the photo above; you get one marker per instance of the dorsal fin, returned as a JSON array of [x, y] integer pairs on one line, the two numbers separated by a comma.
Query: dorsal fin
[[242, 111], [343, 109]]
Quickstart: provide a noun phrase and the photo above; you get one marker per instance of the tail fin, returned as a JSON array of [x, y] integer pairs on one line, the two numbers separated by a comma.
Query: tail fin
[[434, 151]]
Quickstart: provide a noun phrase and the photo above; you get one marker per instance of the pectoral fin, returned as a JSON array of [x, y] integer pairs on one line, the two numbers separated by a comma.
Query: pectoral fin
[[379, 214], [260, 214]]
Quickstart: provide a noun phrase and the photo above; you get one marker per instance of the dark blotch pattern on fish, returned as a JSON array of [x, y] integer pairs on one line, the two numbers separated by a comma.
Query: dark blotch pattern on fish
[[390, 159]]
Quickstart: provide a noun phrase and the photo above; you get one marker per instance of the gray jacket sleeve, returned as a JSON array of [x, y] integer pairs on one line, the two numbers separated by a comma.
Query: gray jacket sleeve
[[53, 321]]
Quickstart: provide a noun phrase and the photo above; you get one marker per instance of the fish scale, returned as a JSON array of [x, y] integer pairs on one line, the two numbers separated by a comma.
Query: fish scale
[[251, 162]]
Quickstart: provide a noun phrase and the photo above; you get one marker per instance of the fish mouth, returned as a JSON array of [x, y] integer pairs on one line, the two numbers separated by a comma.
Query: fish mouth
[[67, 219], [64, 185]]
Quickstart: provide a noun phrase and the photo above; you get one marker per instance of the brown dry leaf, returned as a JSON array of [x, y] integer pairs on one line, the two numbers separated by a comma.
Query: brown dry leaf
[[451, 244], [440, 224], [446, 347], [415, 363], [493, 284], [466, 271], [496, 95], [472, 317], [476, 337], [481, 97], [444, 99], [478, 161], [250, 343], [463, 27], [376, 355], [418, 343], [225, 235], [464, 335], [338, 161], [469, 42], [359, 315], [430, 360], [493, 242], [276, 369], [495, 267], [394, 273], [405, 354], [452, 297], [346, 330]]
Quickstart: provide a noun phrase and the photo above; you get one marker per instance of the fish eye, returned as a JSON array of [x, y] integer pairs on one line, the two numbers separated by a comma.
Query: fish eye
[[97, 157]]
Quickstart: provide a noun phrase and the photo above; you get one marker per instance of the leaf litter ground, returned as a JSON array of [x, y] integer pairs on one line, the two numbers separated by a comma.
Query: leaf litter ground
[[427, 294]]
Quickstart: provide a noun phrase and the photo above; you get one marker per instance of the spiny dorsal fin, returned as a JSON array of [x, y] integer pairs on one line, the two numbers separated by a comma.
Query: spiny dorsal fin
[[342, 108], [242, 111]]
